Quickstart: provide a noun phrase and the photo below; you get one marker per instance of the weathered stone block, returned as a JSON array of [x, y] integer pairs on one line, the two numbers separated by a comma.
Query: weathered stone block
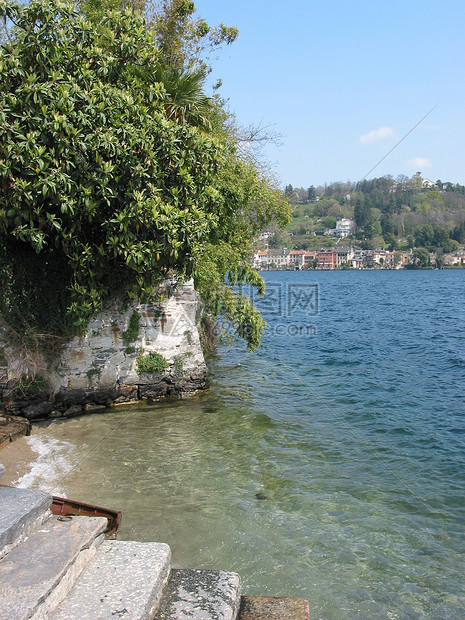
[[126, 393], [93, 369], [78, 382], [71, 397], [38, 410], [21, 508], [202, 594], [274, 608], [125, 579], [43, 568], [106, 380], [74, 410], [152, 391], [104, 397]]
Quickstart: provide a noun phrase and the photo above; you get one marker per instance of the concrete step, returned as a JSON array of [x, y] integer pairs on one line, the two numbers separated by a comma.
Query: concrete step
[[37, 574], [22, 512], [124, 580], [274, 608], [200, 595]]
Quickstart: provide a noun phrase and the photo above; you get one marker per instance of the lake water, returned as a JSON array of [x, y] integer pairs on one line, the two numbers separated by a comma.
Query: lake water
[[327, 465]]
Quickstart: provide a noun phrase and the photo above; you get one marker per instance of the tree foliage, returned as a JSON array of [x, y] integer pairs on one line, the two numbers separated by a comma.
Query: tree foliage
[[421, 257], [386, 211], [110, 179], [183, 39]]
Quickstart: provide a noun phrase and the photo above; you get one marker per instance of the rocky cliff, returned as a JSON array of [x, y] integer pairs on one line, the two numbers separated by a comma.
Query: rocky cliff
[[142, 352]]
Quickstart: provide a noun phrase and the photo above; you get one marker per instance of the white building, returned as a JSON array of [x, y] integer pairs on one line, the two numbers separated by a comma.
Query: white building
[[260, 260], [344, 255], [278, 258], [297, 258], [344, 227], [428, 184]]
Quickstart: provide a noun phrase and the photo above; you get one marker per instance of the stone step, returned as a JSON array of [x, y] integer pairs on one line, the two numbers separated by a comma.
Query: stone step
[[22, 512], [124, 580], [37, 574], [274, 608], [200, 595]]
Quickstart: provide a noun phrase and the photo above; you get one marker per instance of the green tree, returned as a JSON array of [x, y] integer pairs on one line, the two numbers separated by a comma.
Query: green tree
[[440, 237], [416, 181], [183, 39], [421, 257], [451, 245], [96, 10], [390, 241], [311, 194], [280, 239], [424, 236], [107, 188], [458, 233], [362, 212], [386, 224], [185, 100], [330, 222], [92, 175]]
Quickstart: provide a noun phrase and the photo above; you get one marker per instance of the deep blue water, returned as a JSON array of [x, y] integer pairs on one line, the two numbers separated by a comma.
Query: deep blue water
[[329, 464], [364, 375]]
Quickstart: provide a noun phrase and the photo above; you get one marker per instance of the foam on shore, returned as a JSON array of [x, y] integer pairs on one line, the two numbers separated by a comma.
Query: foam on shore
[[37, 462]]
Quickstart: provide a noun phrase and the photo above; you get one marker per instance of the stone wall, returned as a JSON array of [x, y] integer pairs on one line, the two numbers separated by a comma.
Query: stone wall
[[100, 369]]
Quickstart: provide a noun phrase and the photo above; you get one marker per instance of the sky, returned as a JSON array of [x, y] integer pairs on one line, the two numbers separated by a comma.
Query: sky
[[343, 82]]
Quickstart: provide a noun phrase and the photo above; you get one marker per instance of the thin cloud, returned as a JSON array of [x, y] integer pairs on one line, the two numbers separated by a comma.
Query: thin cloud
[[376, 134], [419, 162]]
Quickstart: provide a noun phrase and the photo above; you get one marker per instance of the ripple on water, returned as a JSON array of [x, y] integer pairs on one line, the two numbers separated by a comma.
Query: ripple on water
[[328, 467]]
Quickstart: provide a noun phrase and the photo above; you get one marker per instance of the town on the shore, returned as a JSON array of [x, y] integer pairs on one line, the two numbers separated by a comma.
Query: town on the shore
[[347, 257]]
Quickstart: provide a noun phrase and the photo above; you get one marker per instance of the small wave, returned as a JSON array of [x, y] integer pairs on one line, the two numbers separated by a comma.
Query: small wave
[[457, 362], [51, 464]]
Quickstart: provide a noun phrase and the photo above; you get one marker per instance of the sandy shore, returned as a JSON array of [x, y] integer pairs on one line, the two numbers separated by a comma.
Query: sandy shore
[[18, 457]]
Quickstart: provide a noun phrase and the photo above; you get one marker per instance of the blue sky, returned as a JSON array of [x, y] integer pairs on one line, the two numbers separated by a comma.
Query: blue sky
[[343, 82]]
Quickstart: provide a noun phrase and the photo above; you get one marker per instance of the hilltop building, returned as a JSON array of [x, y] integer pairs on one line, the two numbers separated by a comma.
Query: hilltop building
[[344, 227]]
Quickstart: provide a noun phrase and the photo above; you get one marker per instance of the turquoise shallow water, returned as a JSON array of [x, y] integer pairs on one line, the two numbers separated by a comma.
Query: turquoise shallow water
[[328, 465]]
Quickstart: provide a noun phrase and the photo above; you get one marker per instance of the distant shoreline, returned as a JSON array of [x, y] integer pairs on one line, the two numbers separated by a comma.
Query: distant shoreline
[[448, 268]]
